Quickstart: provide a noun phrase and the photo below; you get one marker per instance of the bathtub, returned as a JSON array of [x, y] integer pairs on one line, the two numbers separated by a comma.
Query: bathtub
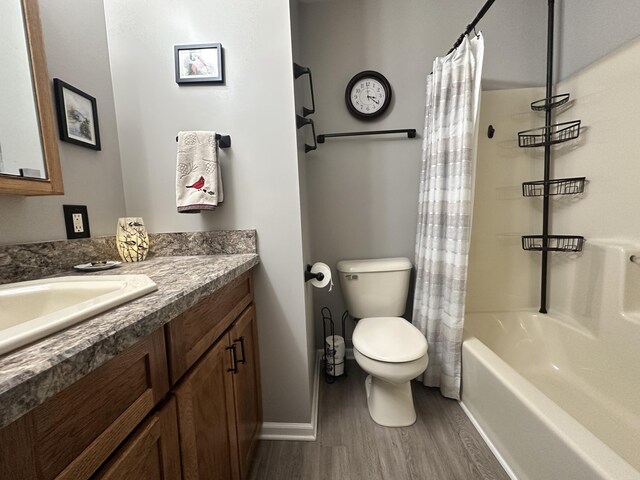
[[555, 400]]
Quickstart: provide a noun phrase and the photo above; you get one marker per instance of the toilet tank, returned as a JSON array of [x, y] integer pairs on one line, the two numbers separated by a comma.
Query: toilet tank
[[375, 287]]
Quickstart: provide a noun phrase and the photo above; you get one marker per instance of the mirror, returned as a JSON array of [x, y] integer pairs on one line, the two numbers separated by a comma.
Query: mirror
[[29, 159]]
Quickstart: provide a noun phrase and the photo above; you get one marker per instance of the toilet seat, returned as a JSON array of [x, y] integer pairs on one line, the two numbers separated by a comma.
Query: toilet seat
[[389, 339]]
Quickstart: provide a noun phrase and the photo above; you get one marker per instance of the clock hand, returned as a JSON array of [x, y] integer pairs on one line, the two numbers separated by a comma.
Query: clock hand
[[373, 98]]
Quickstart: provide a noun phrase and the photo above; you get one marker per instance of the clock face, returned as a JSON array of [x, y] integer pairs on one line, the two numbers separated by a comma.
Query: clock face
[[368, 95]]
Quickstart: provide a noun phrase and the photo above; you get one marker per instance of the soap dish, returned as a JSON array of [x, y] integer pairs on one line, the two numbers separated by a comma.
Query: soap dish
[[97, 266]]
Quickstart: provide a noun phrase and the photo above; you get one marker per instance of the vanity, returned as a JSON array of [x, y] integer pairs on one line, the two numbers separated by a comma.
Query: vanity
[[166, 386]]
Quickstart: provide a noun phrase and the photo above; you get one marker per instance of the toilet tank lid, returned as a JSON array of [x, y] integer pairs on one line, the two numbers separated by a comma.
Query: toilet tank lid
[[374, 265]]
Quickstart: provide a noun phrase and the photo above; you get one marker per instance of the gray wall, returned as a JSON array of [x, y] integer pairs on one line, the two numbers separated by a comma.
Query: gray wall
[[303, 135], [260, 171], [363, 192], [590, 29], [76, 48]]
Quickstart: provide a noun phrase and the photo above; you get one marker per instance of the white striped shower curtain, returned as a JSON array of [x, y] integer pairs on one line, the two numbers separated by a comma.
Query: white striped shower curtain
[[445, 208]]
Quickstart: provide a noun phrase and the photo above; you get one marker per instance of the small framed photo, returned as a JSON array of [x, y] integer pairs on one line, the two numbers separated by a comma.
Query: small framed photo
[[200, 63], [77, 115]]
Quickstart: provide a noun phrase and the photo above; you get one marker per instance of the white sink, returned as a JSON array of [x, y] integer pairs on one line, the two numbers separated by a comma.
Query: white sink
[[32, 310]]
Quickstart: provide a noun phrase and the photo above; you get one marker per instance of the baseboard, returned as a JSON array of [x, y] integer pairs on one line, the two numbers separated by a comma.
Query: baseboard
[[489, 443], [288, 431], [297, 431]]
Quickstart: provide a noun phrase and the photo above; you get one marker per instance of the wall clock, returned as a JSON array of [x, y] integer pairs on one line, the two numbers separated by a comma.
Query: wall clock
[[368, 95]]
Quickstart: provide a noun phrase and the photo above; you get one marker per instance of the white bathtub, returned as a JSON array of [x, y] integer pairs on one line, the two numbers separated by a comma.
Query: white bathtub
[[556, 400]]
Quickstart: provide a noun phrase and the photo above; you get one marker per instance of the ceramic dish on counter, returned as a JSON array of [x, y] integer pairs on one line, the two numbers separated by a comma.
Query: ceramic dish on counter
[[97, 266]]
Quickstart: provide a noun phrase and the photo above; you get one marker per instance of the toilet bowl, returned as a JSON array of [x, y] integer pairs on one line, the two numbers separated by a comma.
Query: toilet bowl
[[393, 352], [386, 346]]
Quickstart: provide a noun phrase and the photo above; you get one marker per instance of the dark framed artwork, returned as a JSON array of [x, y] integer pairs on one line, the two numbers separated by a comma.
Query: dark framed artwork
[[199, 63], [77, 115]]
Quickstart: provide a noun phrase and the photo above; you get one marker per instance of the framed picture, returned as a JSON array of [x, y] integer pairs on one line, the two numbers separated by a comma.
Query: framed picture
[[200, 63], [77, 115]]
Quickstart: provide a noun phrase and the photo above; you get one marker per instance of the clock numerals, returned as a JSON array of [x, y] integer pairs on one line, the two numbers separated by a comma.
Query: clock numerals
[[368, 94]]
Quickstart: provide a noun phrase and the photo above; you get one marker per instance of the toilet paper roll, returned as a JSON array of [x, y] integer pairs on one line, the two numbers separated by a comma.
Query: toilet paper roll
[[334, 348], [323, 268]]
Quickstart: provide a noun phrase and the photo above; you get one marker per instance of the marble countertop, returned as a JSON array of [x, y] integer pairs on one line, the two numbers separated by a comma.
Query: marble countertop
[[38, 371]]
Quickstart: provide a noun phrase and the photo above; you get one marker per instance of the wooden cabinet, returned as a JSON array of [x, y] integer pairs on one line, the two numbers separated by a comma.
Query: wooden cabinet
[[191, 334], [108, 424], [206, 417], [219, 406], [246, 387], [74, 432], [152, 453]]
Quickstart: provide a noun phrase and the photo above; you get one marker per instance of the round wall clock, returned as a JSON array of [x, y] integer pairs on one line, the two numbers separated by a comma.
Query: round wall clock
[[368, 95]]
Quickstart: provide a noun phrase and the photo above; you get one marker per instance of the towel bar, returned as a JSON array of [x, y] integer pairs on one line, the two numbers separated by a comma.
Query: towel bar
[[410, 132], [224, 141]]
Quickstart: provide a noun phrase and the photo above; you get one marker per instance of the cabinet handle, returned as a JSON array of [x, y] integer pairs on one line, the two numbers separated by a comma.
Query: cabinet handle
[[241, 340], [234, 358]]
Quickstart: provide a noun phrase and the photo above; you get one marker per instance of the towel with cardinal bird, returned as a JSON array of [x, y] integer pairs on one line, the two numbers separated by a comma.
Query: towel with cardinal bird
[[198, 178]]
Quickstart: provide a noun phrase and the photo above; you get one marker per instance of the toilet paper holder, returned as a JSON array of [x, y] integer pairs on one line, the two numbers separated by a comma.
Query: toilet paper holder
[[329, 365], [310, 276]]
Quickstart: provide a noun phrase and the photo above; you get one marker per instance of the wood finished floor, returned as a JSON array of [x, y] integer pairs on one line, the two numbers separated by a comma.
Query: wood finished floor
[[441, 445]]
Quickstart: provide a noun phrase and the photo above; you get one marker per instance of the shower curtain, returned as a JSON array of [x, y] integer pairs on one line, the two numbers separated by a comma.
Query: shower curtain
[[445, 206]]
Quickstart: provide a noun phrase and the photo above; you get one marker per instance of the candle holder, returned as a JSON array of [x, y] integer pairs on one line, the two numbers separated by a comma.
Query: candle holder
[[132, 239]]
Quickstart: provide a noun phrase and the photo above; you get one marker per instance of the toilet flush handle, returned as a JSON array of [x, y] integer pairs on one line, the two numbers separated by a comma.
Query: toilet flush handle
[[351, 276]]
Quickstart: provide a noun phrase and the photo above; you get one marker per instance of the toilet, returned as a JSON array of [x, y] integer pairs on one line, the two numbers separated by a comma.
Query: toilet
[[386, 346]]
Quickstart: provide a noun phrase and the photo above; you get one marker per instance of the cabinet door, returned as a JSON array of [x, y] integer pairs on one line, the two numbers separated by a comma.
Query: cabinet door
[[206, 417], [152, 453], [248, 401], [74, 432]]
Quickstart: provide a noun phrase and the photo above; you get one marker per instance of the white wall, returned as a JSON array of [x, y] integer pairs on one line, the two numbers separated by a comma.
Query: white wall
[[606, 100], [604, 96], [76, 48], [260, 171], [501, 275]]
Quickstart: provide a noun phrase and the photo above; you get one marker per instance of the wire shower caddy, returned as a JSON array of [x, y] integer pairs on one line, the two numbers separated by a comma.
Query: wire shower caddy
[[546, 136]]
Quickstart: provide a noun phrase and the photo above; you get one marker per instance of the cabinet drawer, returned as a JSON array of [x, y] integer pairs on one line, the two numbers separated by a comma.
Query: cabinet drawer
[[191, 334], [72, 434]]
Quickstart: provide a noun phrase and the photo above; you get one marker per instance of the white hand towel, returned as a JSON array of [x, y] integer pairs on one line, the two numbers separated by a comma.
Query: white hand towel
[[198, 176]]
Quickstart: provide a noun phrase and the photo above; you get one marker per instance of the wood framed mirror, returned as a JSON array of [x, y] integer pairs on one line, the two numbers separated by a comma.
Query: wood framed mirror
[[18, 147]]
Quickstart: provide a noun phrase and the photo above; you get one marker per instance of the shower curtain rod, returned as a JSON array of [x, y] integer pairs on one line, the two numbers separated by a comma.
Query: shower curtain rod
[[472, 25]]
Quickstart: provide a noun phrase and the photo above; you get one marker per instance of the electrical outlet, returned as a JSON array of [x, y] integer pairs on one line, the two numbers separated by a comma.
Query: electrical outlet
[[76, 220], [78, 226]]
